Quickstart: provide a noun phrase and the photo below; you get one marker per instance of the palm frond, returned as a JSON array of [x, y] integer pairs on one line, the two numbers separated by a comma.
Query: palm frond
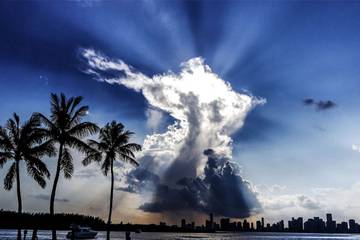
[[78, 115], [63, 101], [76, 102], [92, 157], [68, 104], [46, 148], [17, 119], [54, 101], [10, 177], [129, 159], [44, 120], [93, 143], [37, 170], [67, 165], [39, 165], [78, 144], [28, 134], [105, 167], [5, 141], [12, 130], [131, 147], [83, 129], [39, 178], [4, 157]]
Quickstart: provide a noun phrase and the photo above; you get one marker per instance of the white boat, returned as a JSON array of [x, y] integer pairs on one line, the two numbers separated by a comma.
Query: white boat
[[78, 232]]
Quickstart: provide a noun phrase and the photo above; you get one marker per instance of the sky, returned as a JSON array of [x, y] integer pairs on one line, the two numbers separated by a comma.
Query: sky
[[249, 103]]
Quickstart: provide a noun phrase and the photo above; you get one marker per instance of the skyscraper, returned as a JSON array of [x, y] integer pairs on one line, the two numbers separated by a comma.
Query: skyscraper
[[330, 224], [183, 223]]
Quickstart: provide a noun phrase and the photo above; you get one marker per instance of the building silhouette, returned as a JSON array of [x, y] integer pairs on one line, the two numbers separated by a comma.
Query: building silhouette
[[330, 224], [183, 223], [311, 225], [43, 221]]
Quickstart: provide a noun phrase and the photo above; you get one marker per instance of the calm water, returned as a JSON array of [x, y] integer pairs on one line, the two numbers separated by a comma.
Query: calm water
[[11, 234]]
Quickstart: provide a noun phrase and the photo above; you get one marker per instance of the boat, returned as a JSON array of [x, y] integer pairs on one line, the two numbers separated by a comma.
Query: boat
[[79, 232]]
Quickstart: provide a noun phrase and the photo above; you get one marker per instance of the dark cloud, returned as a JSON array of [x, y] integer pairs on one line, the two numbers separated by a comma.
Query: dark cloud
[[47, 198], [320, 105], [308, 203], [308, 101], [221, 191], [188, 159], [140, 179], [324, 105]]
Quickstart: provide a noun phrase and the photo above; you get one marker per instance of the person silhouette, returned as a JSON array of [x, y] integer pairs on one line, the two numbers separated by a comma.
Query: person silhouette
[[127, 235], [34, 235]]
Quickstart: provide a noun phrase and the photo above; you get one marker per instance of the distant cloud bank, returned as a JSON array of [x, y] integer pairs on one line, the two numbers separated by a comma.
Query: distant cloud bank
[[47, 198]]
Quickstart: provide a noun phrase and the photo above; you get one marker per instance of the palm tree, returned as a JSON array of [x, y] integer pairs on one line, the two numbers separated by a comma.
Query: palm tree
[[24, 142], [113, 145], [66, 128]]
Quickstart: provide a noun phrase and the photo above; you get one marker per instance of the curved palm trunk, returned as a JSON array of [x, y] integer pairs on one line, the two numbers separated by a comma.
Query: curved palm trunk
[[53, 192], [18, 190], [111, 200]]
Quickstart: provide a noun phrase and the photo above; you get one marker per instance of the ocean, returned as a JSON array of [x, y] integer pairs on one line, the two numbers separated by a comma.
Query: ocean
[[11, 234]]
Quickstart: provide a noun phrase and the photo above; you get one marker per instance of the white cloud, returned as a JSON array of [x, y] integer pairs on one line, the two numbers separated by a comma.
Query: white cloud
[[206, 109], [355, 147], [154, 118], [276, 188]]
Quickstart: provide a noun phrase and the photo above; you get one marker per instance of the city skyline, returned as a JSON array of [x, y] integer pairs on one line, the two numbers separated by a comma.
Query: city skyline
[[242, 108], [296, 225]]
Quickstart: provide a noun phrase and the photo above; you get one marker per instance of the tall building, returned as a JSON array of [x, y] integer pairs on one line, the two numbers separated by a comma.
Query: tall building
[[281, 225], [262, 223], [343, 227], [183, 223], [225, 224], [246, 226], [328, 217], [211, 221], [330, 224], [314, 225], [239, 226], [258, 226], [352, 226], [296, 225]]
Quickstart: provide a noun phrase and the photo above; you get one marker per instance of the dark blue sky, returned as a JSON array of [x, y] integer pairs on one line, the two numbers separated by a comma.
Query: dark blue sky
[[283, 51]]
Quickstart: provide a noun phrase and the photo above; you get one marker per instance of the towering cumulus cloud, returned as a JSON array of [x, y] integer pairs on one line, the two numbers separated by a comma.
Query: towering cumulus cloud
[[192, 159]]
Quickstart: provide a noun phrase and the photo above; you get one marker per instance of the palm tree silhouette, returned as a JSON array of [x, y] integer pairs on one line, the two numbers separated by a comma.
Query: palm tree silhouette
[[24, 142], [113, 145], [66, 128]]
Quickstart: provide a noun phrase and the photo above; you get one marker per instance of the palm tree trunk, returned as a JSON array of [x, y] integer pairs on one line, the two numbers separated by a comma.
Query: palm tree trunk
[[111, 200], [18, 195], [53, 192]]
